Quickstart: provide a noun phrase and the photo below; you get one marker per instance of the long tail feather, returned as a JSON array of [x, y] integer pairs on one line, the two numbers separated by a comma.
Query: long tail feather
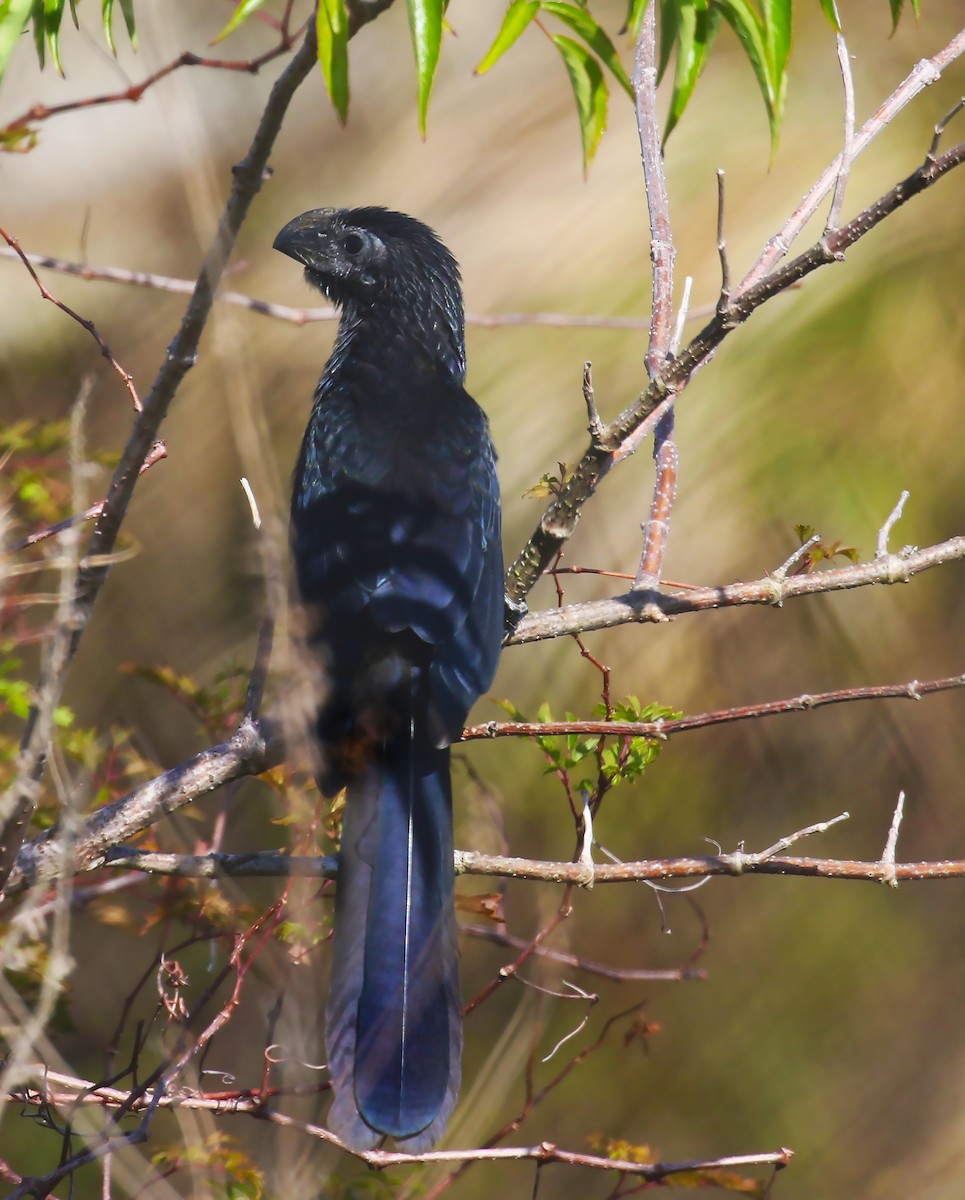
[[394, 1025]]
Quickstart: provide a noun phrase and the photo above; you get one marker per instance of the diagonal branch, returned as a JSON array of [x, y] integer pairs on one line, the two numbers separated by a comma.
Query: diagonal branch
[[248, 177], [771, 589], [560, 518]]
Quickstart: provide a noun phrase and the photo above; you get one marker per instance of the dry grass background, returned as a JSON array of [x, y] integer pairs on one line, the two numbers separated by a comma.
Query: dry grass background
[[832, 1019]]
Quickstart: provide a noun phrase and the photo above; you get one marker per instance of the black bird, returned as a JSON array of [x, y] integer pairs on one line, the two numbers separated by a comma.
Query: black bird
[[398, 563]]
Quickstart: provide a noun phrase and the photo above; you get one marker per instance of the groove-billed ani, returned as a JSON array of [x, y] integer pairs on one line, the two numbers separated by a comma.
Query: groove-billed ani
[[396, 535]]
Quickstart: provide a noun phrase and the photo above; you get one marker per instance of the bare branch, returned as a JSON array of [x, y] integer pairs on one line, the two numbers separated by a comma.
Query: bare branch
[[247, 752], [126, 379], [158, 451], [924, 73], [306, 316], [545, 1152], [500, 937], [131, 95], [662, 249], [771, 589], [560, 518], [799, 555]]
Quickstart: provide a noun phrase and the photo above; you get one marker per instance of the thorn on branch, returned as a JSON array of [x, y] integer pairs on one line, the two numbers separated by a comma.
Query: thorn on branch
[[723, 302], [889, 875], [598, 433], [847, 148], [797, 557], [885, 531]]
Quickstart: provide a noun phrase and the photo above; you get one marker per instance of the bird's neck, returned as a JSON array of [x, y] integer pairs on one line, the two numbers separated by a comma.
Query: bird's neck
[[403, 335]]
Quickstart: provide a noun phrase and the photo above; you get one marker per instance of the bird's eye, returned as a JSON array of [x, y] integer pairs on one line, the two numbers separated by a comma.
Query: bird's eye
[[352, 243]]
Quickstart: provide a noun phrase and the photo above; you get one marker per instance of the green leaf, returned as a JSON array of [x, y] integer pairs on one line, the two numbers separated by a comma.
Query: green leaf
[[586, 27], [331, 27], [590, 92], [518, 16], [636, 10], [13, 21], [755, 36], [425, 25], [511, 710], [127, 11], [777, 36], [668, 33], [830, 10], [696, 28], [53, 15], [241, 14], [39, 18]]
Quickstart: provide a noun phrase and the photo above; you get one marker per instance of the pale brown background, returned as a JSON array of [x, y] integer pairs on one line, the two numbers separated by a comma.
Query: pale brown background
[[832, 1020]]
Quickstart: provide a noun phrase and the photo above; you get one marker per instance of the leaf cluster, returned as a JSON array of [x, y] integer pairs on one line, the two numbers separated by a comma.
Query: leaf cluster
[[45, 18], [618, 760]]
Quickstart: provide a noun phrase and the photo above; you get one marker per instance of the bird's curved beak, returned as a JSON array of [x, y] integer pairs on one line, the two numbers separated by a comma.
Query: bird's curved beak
[[306, 238]]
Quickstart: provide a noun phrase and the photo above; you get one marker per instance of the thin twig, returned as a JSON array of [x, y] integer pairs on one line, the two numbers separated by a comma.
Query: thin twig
[[126, 379], [923, 74], [799, 555], [248, 177], [158, 451], [891, 845], [250, 751], [847, 146], [724, 297], [560, 518], [131, 95], [664, 728], [306, 316], [771, 590], [881, 550]]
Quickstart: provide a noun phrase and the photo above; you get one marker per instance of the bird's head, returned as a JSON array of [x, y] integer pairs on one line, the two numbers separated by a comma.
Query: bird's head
[[372, 260]]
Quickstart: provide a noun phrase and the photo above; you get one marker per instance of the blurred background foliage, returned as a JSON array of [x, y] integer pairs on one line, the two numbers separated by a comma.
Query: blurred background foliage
[[831, 1019]]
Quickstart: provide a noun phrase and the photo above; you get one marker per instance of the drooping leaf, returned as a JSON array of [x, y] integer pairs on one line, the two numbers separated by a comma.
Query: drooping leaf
[[697, 25], [127, 11], [53, 15], [635, 14], [830, 10], [589, 90], [753, 32], [667, 33], [777, 35], [13, 21], [586, 27], [107, 19], [425, 25], [38, 19], [519, 14], [331, 29], [241, 14]]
